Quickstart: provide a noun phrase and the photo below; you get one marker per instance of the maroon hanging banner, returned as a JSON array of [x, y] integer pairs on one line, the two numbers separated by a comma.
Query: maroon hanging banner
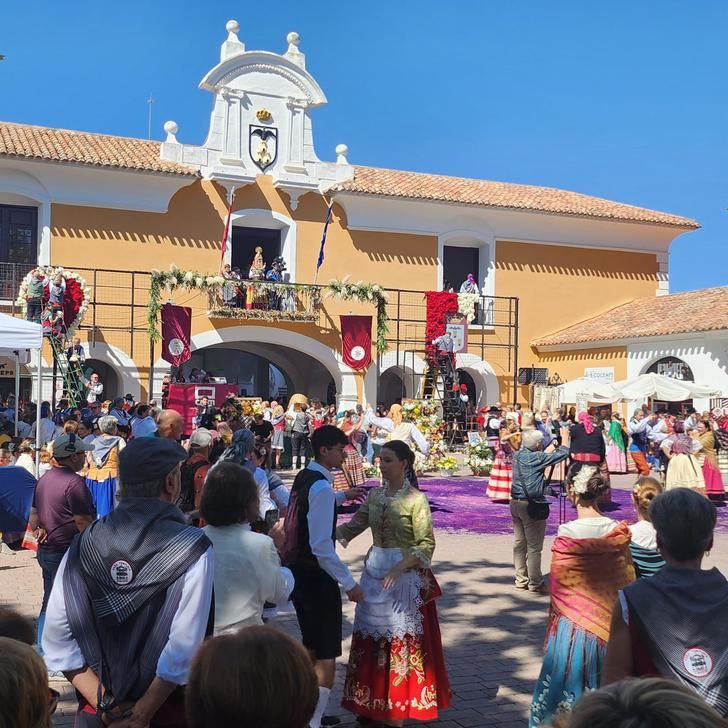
[[356, 340], [176, 331]]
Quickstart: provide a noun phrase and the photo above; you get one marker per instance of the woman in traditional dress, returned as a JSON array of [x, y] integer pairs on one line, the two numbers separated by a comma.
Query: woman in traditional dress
[[103, 465], [616, 449], [721, 434], [683, 468], [396, 667], [590, 562], [588, 446], [397, 428], [278, 420], [501, 474], [708, 459], [645, 555], [351, 474]]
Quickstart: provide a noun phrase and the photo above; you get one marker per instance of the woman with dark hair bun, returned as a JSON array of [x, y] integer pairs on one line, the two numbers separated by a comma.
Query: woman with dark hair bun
[[396, 666]]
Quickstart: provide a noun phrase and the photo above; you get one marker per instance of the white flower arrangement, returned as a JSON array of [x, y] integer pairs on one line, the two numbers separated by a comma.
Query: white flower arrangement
[[479, 457], [466, 305], [51, 272], [580, 483]]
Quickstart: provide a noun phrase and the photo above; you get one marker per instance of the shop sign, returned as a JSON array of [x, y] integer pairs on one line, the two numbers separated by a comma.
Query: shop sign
[[672, 367], [600, 374], [7, 367]]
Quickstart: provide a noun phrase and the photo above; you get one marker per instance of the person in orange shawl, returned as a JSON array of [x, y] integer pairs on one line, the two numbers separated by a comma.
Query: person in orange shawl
[[590, 563]]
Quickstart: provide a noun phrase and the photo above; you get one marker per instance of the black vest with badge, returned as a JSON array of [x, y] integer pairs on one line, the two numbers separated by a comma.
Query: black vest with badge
[[122, 584], [680, 615], [297, 545]]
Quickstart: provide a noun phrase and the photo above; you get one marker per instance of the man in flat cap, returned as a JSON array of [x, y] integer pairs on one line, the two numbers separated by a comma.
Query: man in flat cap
[[132, 599]]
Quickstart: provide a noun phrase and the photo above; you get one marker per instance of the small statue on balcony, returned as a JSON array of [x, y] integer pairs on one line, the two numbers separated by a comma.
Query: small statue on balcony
[[257, 267]]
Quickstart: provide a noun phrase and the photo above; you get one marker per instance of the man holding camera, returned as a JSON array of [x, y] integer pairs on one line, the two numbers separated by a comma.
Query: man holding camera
[[529, 508]]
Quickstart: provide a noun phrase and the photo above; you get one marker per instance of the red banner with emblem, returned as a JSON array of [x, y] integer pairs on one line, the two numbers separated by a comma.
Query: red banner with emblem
[[176, 331], [356, 341]]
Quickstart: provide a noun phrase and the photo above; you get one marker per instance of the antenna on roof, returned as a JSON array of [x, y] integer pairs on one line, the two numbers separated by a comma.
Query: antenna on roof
[[150, 101]]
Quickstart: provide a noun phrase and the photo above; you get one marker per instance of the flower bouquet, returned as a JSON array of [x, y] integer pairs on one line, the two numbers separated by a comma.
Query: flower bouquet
[[371, 470], [479, 458], [447, 465]]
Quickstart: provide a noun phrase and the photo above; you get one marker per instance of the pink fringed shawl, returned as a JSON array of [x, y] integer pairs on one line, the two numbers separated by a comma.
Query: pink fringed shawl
[[586, 574]]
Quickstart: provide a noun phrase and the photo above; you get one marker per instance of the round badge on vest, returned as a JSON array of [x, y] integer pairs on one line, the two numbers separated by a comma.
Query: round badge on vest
[[121, 572], [697, 662]]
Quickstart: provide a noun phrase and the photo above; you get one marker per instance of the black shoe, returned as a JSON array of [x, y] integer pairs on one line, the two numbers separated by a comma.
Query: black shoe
[[330, 720]]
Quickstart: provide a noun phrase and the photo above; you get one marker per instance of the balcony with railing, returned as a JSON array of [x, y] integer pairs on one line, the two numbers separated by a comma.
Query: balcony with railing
[[265, 301], [119, 310]]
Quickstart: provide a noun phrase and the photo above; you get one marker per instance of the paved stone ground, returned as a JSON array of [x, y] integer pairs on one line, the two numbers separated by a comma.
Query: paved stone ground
[[492, 633]]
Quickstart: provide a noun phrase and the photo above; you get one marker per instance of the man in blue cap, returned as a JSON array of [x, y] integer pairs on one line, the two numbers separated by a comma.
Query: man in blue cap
[[132, 599]]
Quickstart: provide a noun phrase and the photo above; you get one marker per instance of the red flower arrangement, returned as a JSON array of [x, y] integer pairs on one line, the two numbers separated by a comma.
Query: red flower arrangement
[[76, 297], [440, 306]]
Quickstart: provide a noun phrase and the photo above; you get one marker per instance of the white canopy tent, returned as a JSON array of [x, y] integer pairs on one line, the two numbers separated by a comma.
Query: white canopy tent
[[18, 339], [584, 389], [658, 386]]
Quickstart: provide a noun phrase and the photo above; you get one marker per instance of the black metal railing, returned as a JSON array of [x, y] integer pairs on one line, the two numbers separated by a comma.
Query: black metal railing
[[119, 305], [265, 301], [11, 275]]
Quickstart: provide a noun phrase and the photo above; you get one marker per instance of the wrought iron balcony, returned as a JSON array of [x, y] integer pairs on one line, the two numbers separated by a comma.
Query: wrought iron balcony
[[265, 301]]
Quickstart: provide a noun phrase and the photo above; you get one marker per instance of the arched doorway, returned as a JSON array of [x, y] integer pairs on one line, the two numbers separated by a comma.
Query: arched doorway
[[107, 374], [671, 366], [465, 378], [265, 370], [391, 387]]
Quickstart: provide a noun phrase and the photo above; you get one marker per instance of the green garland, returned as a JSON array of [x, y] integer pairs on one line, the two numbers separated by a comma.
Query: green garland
[[371, 293], [168, 281]]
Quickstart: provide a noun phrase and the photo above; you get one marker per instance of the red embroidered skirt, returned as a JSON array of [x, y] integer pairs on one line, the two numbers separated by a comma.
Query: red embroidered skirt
[[402, 677]]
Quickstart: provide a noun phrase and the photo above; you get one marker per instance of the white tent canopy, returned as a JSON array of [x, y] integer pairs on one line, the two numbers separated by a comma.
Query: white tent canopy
[[17, 335], [588, 390], [657, 386], [17, 339]]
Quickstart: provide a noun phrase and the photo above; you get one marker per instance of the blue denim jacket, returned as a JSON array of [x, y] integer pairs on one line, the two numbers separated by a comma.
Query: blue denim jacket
[[528, 471]]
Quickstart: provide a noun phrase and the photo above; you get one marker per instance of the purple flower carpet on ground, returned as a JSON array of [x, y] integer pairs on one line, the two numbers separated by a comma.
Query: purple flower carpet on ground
[[460, 504]]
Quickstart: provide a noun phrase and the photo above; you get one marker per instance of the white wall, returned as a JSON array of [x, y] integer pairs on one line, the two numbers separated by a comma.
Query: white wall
[[705, 353]]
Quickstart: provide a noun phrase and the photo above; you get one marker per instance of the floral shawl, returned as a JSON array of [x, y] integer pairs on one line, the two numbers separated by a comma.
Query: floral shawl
[[586, 574]]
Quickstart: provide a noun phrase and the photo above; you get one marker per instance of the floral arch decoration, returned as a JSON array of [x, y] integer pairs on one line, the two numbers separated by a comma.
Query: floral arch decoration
[[76, 298]]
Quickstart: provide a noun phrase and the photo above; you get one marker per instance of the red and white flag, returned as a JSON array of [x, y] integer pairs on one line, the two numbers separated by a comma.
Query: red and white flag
[[226, 232], [356, 341], [176, 332]]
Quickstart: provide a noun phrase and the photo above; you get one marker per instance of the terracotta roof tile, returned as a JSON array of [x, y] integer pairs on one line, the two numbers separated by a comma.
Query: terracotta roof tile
[[679, 313], [419, 186], [79, 147]]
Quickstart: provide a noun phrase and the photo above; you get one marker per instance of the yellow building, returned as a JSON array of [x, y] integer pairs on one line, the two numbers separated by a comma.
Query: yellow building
[[113, 209]]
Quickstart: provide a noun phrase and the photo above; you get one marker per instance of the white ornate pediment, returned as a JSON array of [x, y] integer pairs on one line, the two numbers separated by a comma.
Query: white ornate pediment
[[260, 122]]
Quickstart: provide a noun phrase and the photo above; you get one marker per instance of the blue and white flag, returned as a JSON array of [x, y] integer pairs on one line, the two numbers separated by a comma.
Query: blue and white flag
[[323, 237]]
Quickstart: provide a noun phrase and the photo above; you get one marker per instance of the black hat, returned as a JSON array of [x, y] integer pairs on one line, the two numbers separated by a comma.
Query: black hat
[[149, 458]]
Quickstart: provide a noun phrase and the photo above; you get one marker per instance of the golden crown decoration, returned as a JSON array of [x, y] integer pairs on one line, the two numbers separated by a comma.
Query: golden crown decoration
[[263, 115]]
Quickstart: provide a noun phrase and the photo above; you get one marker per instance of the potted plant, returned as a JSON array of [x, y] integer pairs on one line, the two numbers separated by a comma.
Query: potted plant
[[447, 465], [479, 458]]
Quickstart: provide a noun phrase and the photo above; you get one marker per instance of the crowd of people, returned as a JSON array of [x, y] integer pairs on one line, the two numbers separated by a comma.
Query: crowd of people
[[135, 533], [164, 553], [689, 450]]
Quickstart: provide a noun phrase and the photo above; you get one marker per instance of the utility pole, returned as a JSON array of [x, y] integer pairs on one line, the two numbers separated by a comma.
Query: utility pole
[[150, 101]]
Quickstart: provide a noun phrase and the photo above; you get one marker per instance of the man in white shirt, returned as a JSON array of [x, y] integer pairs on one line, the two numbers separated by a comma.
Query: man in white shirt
[[94, 388], [310, 552], [144, 637]]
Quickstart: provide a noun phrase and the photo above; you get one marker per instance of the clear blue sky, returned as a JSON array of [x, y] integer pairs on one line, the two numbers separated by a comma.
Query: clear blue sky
[[625, 100]]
